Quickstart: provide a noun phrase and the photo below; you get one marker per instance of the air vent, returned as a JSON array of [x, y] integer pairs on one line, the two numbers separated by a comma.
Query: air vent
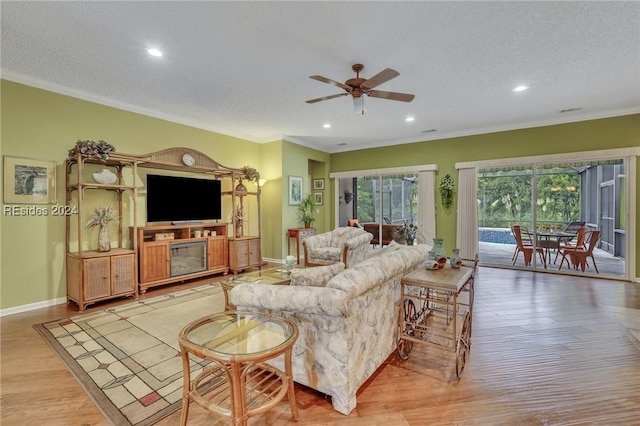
[[570, 110], [429, 131]]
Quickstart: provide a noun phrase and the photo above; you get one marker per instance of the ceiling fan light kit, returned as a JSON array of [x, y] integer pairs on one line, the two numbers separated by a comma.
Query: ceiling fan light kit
[[358, 105], [358, 87]]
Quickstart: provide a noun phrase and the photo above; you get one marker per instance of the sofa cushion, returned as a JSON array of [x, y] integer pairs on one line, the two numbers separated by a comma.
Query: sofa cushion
[[379, 251], [376, 270], [316, 276], [327, 253]]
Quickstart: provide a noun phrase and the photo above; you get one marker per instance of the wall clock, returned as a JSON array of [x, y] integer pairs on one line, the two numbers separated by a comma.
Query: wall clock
[[188, 159]]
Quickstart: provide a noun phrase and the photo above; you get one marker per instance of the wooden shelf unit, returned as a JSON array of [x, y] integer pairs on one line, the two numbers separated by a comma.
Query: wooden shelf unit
[[244, 253], [84, 286], [154, 255], [93, 276]]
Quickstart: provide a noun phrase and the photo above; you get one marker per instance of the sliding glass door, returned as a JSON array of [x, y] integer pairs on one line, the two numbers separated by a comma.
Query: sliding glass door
[[381, 201], [390, 199], [530, 215]]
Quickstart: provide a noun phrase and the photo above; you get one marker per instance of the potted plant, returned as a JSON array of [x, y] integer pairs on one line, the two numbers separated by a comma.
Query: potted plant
[[408, 232], [101, 217], [306, 210]]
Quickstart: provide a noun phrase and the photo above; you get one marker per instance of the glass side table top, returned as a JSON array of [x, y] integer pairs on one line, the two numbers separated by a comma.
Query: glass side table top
[[238, 334], [270, 276]]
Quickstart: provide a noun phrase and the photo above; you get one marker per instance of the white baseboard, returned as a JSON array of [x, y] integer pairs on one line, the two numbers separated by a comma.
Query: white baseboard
[[32, 306]]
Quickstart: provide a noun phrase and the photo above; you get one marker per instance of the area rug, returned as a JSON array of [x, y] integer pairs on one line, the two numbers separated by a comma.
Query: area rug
[[127, 358]]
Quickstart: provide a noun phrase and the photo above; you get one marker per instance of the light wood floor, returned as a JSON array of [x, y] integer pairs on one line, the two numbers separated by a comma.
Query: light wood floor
[[546, 350]]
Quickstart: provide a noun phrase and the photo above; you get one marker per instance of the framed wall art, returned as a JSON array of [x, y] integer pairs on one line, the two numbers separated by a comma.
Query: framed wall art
[[29, 181], [295, 190], [318, 184], [317, 197]]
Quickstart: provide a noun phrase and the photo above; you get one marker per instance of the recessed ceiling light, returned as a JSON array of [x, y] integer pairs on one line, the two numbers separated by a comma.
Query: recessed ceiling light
[[326, 125], [409, 119], [520, 88], [154, 52]]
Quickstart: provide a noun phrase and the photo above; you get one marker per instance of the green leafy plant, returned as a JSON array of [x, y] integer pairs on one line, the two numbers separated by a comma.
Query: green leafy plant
[[306, 210], [447, 187]]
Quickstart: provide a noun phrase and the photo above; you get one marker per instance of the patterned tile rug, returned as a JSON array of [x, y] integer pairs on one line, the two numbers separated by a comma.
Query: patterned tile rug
[[127, 358]]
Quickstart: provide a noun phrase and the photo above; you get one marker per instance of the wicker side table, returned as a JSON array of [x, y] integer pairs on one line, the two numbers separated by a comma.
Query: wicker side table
[[237, 383]]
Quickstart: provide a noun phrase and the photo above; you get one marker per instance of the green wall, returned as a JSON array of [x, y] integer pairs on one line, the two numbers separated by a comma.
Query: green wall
[[45, 125], [608, 133], [40, 124]]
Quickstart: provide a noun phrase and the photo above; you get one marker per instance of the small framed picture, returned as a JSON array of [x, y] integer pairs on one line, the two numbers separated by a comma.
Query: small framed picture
[[318, 184], [29, 181], [317, 197], [295, 190]]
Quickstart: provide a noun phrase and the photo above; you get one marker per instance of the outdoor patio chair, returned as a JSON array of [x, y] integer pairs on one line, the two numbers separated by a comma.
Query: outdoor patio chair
[[521, 234], [577, 241], [571, 228], [525, 235], [579, 255]]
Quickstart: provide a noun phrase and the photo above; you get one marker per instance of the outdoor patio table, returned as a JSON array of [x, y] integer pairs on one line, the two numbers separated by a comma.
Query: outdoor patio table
[[551, 240]]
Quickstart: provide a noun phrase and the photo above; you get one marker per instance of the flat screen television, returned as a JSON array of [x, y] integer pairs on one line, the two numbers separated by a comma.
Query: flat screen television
[[182, 199]]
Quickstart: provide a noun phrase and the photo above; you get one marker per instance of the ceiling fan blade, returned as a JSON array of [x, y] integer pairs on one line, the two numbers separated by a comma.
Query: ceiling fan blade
[[313, 101], [329, 81], [393, 96], [382, 77]]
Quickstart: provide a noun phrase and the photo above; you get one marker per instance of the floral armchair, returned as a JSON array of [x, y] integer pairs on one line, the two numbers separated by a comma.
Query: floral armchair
[[345, 244]]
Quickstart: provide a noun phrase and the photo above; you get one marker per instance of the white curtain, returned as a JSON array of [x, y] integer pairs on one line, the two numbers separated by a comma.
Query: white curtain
[[427, 205], [467, 227]]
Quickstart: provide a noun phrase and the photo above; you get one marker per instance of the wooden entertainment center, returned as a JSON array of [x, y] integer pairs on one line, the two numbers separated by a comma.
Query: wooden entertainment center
[[160, 253]]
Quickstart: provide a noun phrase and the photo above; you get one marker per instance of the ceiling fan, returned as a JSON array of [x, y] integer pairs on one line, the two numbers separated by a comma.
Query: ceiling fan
[[357, 87]]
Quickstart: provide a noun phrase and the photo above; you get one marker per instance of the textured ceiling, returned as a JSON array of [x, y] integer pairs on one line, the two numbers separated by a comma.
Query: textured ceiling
[[242, 68]]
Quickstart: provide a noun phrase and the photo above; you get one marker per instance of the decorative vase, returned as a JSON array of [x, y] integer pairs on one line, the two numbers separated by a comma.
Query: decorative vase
[[456, 260], [289, 262], [105, 177], [104, 242], [438, 253], [238, 229]]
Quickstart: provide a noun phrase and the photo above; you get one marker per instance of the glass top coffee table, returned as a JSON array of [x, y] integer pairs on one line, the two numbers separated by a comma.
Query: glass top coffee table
[[237, 382], [270, 276]]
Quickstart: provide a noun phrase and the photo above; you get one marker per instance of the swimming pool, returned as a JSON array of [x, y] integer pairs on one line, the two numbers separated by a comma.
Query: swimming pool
[[496, 235]]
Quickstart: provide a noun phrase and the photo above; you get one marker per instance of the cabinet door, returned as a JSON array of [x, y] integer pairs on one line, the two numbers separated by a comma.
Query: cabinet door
[[154, 261], [255, 257], [241, 254], [122, 274], [217, 252], [97, 278]]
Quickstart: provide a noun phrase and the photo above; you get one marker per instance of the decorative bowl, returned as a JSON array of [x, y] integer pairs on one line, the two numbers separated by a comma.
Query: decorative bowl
[[105, 177]]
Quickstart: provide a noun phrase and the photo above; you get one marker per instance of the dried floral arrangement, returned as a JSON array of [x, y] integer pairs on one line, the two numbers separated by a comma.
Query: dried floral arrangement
[[100, 149], [102, 216], [251, 174], [408, 231]]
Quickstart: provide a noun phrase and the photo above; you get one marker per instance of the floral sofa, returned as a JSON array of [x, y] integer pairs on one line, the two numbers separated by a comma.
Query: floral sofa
[[345, 244], [347, 318]]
